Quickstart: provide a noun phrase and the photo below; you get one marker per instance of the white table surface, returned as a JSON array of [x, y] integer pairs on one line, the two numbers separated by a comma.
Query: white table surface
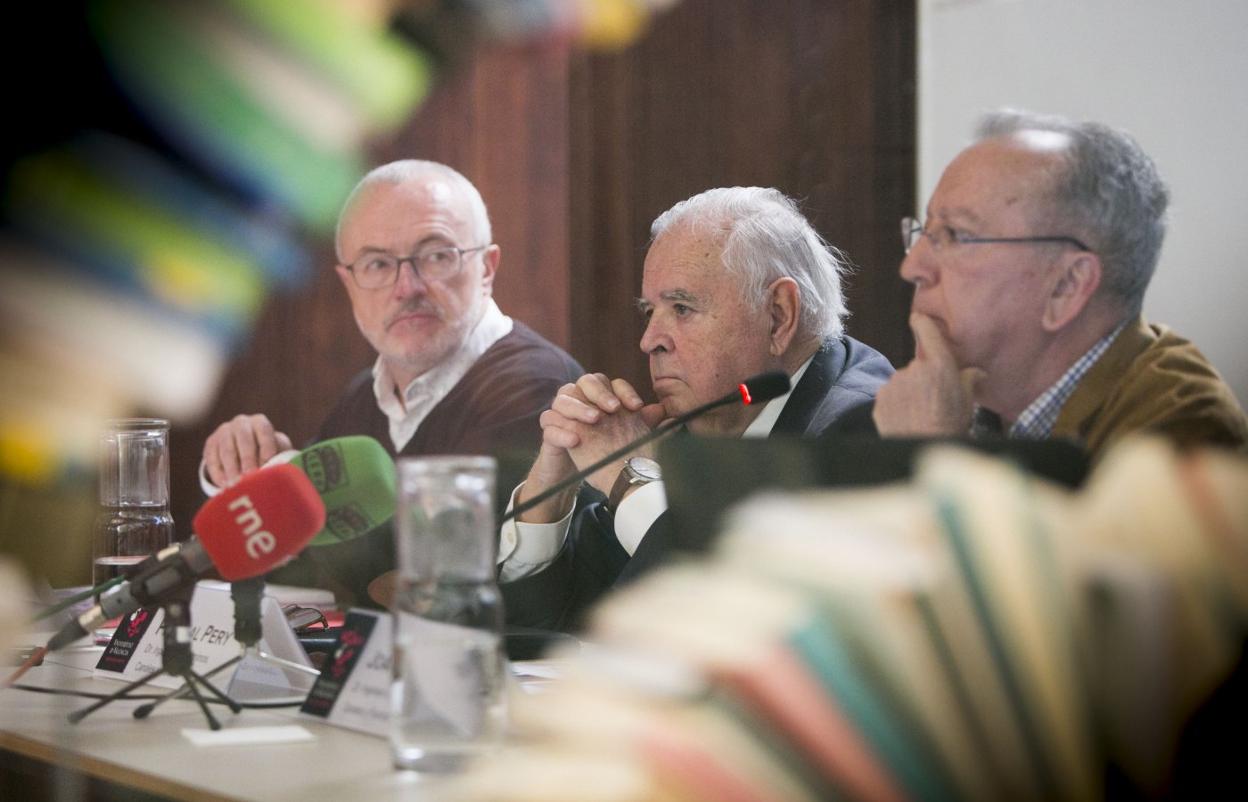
[[154, 756]]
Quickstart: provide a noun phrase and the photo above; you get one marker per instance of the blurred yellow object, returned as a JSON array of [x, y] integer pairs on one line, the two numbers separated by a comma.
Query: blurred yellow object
[[612, 24], [48, 423], [24, 453]]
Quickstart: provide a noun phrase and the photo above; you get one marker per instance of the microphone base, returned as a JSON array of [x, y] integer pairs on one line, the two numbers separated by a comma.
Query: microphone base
[[282, 662], [177, 661], [194, 682]]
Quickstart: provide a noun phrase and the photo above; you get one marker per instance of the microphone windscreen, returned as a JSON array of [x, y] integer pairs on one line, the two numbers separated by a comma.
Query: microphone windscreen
[[766, 386], [254, 525], [355, 478]]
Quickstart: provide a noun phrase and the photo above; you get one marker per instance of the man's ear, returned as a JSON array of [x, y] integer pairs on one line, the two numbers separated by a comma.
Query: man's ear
[[784, 308], [344, 275], [489, 267], [1073, 283]]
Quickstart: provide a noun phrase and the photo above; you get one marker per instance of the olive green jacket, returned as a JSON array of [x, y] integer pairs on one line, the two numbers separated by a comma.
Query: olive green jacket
[[1151, 379]]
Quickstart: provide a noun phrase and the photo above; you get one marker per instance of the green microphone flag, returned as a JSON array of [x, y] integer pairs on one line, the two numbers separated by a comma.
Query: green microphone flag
[[355, 478]]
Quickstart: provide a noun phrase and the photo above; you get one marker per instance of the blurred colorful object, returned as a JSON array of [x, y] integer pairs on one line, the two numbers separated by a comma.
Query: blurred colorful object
[[163, 181], [975, 635], [276, 100], [140, 242]]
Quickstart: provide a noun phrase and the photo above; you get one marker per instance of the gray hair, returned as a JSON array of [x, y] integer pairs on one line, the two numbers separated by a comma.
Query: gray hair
[[1109, 194], [766, 238], [404, 170]]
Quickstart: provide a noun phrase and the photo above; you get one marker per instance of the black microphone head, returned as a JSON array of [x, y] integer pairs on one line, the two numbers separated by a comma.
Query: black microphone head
[[764, 387]]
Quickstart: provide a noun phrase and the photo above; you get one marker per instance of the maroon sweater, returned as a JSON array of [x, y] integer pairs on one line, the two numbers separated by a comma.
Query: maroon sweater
[[493, 410]]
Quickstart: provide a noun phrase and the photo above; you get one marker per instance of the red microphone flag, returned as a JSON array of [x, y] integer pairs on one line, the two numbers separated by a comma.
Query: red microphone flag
[[253, 526]]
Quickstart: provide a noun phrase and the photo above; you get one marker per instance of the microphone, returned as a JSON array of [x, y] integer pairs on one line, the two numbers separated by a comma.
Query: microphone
[[754, 390], [355, 478], [245, 531]]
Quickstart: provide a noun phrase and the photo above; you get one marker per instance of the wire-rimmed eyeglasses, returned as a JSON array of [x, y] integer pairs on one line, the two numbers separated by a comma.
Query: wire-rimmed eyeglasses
[[942, 236]]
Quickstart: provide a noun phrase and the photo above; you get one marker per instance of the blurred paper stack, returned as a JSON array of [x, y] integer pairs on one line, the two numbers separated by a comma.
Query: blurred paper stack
[[975, 635]]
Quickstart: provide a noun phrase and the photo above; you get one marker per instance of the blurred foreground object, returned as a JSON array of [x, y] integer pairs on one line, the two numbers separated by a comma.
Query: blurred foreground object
[[977, 634], [164, 178], [186, 150], [448, 698], [14, 611]]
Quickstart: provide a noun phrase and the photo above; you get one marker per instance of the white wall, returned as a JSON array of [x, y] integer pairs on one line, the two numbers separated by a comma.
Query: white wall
[[1171, 72]]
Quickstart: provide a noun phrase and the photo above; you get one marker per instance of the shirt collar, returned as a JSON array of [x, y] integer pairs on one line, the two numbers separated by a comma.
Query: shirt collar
[[766, 420], [1037, 420]]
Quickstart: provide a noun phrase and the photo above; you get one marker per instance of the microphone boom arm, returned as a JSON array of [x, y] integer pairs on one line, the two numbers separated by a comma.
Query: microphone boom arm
[[742, 394]]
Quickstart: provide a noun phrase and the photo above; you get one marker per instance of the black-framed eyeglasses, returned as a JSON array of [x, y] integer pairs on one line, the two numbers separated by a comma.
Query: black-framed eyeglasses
[[912, 229], [372, 271]]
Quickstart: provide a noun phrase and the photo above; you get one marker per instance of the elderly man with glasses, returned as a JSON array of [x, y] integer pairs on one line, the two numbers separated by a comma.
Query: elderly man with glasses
[[1029, 277], [453, 373]]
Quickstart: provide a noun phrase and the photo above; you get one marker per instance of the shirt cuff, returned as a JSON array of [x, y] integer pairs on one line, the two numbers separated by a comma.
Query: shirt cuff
[[526, 548], [211, 490], [637, 513], [205, 483]]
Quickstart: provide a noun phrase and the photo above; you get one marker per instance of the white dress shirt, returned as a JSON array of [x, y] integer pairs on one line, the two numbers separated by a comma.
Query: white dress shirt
[[526, 548]]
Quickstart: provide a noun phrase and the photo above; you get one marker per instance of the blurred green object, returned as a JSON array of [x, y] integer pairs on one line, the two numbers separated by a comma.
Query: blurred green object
[[182, 90], [355, 477], [167, 258], [382, 73]]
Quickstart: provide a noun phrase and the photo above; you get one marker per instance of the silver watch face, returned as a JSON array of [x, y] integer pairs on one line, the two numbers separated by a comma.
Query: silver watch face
[[646, 468]]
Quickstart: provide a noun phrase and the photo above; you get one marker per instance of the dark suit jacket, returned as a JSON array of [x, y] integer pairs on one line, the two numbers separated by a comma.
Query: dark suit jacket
[[843, 376]]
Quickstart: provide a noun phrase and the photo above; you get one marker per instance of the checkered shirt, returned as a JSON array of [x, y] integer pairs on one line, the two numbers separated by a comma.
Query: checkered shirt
[[1037, 420]]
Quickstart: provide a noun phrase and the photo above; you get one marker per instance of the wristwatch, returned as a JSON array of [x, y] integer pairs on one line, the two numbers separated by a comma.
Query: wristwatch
[[637, 471]]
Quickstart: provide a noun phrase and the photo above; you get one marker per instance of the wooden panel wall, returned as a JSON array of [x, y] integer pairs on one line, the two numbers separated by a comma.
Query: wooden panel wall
[[813, 97], [576, 154]]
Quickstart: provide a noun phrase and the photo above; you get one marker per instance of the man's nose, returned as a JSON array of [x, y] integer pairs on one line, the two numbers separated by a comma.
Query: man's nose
[[408, 282], [655, 337], [919, 265]]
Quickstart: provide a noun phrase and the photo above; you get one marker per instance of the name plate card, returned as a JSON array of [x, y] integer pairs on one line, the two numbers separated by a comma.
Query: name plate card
[[130, 632], [353, 690], [137, 646]]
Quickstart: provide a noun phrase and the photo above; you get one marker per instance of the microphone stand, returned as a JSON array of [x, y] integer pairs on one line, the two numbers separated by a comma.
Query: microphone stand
[[176, 660], [247, 595]]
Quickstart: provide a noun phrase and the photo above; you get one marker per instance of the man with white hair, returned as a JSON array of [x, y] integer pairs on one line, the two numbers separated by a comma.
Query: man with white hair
[[453, 374], [736, 282], [1029, 277]]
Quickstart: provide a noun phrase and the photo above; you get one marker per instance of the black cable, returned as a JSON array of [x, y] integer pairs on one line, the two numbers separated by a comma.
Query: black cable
[[84, 694], [144, 697]]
